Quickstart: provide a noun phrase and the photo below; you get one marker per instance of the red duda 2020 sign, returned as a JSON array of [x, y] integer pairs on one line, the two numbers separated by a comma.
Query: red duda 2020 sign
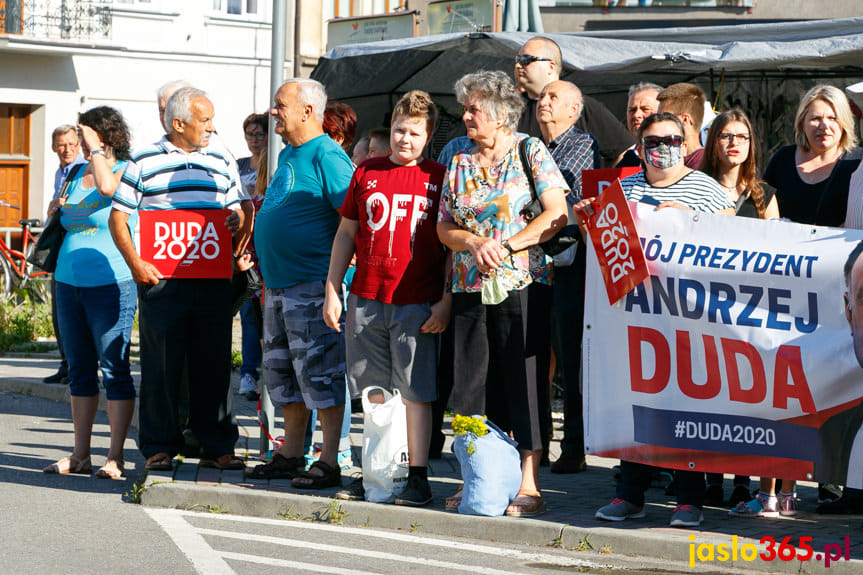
[[186, 243], [615, 241]]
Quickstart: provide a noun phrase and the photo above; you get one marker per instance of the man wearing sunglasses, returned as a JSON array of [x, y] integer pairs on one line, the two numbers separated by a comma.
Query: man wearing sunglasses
[[686, 101], [540, 62]]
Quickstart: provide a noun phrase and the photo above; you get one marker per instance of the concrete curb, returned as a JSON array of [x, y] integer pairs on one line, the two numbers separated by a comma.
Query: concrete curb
[[669, 544]]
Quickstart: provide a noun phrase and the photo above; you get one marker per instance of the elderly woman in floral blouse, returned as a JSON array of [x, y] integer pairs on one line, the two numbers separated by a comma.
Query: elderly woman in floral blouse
[[500, 276]]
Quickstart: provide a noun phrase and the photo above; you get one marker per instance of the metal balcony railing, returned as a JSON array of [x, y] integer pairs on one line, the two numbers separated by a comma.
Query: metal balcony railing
[[77, 20]]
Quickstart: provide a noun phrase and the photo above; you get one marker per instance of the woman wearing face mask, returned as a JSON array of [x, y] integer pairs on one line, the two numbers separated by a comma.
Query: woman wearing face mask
[[665, 182]]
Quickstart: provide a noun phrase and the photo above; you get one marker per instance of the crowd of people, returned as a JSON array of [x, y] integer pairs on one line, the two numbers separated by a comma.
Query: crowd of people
[[389, 268]]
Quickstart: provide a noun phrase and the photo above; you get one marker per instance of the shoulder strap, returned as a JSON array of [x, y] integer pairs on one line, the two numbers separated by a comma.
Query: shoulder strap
[[69, 177], [525, 164]]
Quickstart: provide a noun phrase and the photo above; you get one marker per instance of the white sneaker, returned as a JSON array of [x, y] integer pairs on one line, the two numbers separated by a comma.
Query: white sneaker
[[248, 385]]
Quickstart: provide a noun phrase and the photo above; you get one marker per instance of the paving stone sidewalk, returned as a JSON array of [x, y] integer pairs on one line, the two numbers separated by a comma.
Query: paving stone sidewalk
[[572, 499]]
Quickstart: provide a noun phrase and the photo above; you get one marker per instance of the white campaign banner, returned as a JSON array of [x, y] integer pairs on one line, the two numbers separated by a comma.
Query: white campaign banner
[[734, 356]]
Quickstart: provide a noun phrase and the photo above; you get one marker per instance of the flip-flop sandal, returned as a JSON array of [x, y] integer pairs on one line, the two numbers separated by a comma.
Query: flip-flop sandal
[[227, 461], [453, 501], [332, 477], [70, 465], [160, 462], [531, 506], [105, 472]]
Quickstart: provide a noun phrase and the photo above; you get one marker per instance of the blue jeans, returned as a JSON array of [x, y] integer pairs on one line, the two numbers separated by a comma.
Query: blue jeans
[[96, 326], [251, 344]]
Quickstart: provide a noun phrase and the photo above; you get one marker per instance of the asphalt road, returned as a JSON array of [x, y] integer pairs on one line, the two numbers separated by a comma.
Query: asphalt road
[[75, 524]]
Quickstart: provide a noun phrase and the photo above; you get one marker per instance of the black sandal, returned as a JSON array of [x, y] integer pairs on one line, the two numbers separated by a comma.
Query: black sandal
[[332, 477], [280, 467]]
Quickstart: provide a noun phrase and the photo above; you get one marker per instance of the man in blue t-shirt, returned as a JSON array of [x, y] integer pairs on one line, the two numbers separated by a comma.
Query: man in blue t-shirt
[[304, 360]]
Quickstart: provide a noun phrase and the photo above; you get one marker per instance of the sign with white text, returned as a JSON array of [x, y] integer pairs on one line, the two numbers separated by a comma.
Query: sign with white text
[[615, 243], [593, 182], [739, 354], [186, 243]]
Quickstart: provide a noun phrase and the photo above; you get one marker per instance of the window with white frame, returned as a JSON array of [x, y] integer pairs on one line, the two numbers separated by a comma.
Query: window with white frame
[[237, 7]]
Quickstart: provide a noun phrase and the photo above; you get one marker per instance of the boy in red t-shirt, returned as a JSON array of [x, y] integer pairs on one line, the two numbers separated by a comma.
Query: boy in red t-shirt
[[397, 303]]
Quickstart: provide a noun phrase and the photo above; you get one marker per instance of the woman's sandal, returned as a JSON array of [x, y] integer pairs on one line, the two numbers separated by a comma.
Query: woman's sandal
[[453, 501], [109, 471], [160, 462], [226, 461], [332, 477], [530, 505], [70, 465]]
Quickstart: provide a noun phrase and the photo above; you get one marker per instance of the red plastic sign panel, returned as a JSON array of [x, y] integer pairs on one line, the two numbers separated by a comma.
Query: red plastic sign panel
[[186, 243], [593, 182], [615, 241]]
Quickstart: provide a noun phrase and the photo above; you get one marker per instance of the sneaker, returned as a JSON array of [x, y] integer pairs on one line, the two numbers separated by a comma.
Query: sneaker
[[787, 504], [248, 387], [741, 494], [416, 494], [354, 491], [714, 496], [345, 459], [827, 492], [618, 510], [687, 516], [763, 505]]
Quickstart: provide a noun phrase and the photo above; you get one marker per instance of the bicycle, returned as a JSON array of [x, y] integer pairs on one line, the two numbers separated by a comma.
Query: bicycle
[[15, 271]]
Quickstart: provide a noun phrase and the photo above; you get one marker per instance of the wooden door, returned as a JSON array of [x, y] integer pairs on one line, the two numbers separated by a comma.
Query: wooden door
[[14, 162]]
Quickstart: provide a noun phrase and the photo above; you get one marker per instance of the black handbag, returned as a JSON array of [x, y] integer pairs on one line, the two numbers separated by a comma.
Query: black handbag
[[47, 246], [243, 286], [568, 235]]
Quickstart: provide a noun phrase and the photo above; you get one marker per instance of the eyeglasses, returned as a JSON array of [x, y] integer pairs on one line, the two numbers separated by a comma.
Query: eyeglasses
[[729, 138], [525, 60], [654, 141], [256, 136]]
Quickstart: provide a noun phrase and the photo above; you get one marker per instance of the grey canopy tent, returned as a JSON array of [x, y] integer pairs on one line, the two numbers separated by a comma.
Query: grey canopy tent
[[764, 68]]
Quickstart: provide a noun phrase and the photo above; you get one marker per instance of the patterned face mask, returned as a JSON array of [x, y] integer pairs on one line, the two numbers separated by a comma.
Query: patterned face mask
[[662, 156]]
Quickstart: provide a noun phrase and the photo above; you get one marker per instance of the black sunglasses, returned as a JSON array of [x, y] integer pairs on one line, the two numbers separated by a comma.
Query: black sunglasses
[[653, 141], [525, 60]]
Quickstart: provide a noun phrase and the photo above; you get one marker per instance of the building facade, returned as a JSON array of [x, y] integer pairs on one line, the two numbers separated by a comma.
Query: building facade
[[60, 58]]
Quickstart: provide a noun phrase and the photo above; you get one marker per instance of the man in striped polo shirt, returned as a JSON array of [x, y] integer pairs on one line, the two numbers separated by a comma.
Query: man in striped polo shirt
[[182, 321]]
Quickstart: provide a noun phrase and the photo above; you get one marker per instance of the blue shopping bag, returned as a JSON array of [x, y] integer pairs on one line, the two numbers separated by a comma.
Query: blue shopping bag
[[491, 473]]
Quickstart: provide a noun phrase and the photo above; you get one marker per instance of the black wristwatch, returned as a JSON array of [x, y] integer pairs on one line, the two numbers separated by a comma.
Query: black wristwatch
[[505, 243]]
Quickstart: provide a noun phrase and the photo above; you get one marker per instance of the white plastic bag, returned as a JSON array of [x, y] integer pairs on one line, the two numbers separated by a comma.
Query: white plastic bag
[[385, 446]]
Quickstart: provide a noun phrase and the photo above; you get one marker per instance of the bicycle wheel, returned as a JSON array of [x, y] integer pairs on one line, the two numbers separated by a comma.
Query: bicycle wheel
[[5, 278], [36, 282]]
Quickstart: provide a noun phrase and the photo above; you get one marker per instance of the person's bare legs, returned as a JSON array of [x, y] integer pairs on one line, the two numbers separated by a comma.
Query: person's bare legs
[[419, 421], [119, 417], [529, 478], [767, 485], [331, 425], [83, 415], [296, 417]]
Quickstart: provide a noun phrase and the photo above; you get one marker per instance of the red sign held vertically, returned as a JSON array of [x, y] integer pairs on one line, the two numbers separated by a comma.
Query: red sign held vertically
[[615, 241]]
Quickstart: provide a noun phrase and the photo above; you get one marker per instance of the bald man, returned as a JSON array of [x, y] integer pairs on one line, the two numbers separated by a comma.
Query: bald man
[[557, 111], [540, 62]]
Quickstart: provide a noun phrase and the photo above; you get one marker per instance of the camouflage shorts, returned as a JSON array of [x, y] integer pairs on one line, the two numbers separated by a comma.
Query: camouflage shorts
[[304, 360]]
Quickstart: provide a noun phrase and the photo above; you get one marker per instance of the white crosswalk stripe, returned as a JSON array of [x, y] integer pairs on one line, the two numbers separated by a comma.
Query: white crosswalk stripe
[[201, 537]]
